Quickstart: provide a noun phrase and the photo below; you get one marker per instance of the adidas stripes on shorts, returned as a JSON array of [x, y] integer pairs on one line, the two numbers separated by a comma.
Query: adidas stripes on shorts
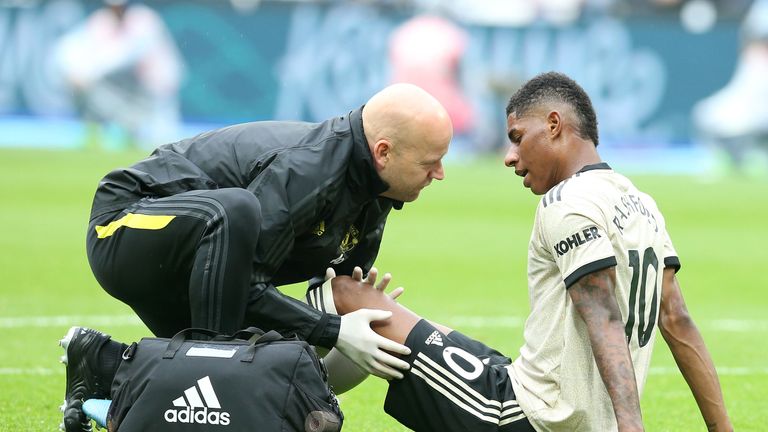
[[455, 384]]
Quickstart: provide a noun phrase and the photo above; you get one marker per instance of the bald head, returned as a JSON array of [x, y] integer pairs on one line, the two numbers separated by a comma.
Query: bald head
[[408, 132], [405, 114]]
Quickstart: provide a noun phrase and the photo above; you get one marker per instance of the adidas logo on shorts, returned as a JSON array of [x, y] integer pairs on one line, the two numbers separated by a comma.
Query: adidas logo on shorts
[[196, 410], [434, 339]]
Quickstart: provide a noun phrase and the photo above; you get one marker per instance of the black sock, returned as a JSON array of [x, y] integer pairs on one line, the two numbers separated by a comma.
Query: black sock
[[110, 357]]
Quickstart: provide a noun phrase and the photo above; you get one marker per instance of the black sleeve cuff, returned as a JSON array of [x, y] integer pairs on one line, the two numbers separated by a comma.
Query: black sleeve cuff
[[673, 262], [326, 331], [589, 268]]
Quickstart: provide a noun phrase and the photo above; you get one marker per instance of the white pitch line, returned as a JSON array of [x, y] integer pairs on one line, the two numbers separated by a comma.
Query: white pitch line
[[739, 325], [458, 322], [722, 325], [485, 321], [721, 370], [69, 320], [32, 371], [654, 370]]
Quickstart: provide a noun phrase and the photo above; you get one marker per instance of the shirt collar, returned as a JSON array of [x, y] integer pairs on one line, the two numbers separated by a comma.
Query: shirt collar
[[601, 165], [362, 172]]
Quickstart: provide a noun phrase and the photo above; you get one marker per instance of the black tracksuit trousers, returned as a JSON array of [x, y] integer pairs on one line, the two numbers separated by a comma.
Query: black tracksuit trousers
[[180, 261]]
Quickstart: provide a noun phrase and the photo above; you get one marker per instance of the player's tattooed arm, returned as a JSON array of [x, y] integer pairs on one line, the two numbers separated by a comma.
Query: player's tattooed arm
[[691, 354], [594, 299]]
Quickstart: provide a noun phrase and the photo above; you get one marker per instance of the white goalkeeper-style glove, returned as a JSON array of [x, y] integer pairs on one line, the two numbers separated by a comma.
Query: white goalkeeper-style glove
[[330, 273], [365, 348], [321, 298]]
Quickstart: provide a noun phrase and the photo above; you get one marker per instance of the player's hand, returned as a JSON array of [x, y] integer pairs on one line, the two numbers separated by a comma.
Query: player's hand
[[367, 349], [357, 274]]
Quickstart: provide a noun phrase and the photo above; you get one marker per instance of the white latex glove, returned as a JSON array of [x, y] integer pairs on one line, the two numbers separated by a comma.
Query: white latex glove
[[357, 274], [365, 348]]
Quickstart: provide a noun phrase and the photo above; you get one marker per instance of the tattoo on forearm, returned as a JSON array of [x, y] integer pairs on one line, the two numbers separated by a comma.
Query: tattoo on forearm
[[594, 298]]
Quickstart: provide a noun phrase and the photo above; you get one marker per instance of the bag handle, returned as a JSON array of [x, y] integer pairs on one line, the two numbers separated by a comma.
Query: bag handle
[[270, 336], [257, 336], [248, 333], [180, 337]]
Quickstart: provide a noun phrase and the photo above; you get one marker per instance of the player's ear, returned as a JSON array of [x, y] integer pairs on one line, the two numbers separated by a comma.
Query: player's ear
[[554, 124], [381, 153]]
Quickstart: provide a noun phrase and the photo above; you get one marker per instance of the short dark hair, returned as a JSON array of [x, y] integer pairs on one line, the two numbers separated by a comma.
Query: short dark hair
[[556, 87]]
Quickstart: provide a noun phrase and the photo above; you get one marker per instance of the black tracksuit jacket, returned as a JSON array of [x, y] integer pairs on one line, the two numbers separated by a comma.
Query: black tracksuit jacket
[[319, 195]]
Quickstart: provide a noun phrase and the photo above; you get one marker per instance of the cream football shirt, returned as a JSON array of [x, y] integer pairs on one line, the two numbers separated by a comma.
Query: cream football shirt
[[591, 221]]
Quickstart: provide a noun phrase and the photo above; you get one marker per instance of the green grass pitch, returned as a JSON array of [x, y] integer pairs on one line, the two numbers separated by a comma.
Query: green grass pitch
[[460, 251]]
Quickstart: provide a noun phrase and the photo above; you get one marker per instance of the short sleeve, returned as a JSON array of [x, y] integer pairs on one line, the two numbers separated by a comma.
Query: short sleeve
[[670, 254], [668, 249], [574, 232]]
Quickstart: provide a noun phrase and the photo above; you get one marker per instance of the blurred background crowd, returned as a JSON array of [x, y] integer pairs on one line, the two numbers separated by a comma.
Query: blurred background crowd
[[679, 85]]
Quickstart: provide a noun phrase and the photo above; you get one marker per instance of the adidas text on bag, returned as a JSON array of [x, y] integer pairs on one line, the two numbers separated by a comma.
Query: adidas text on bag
[[250, 381], [191, 408]]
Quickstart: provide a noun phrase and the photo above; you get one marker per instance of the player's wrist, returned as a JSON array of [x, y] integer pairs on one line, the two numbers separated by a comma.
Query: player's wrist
[[326, 332]]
